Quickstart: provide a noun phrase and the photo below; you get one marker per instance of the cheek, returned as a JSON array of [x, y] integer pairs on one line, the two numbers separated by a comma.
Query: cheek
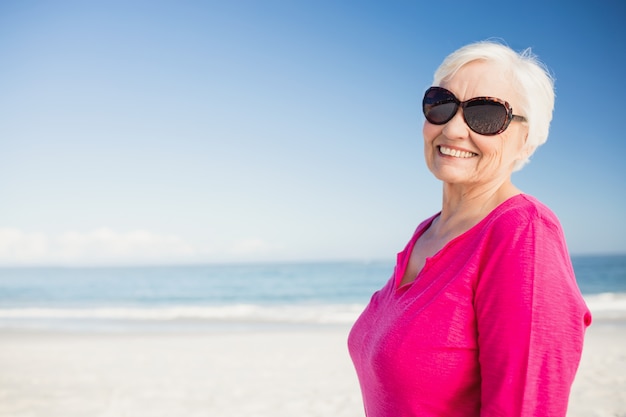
[[515, 146], [430, 132]]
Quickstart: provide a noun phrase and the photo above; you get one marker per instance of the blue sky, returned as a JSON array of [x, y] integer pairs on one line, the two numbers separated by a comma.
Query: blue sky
[[187, 132]]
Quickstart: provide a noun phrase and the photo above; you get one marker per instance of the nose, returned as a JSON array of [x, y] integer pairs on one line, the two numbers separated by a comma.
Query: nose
[[456, 128]]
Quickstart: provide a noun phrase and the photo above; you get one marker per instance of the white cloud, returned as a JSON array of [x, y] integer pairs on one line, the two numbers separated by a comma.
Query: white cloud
[[100, 246], [17, 246], [105, 246], [251, 247]]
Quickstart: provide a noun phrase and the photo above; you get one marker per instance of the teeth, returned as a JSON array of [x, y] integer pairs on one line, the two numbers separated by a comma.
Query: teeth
[[456, 153]]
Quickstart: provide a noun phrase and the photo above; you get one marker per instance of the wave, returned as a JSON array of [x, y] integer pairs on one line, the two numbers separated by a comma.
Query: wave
[[309, 314], [608, 305]]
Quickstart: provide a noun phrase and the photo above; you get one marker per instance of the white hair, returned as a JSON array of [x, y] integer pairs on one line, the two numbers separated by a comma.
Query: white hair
[[529, 77]]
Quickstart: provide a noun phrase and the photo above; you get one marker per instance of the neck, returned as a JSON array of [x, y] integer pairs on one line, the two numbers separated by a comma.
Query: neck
[[463, 207]]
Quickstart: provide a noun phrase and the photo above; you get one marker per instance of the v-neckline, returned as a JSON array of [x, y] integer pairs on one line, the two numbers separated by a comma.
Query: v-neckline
[[407, 252]]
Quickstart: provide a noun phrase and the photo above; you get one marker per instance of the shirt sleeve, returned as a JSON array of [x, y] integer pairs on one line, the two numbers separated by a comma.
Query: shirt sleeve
[[531, 319]]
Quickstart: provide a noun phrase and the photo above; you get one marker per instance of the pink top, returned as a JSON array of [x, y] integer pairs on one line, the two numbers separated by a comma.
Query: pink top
[[493, 325]]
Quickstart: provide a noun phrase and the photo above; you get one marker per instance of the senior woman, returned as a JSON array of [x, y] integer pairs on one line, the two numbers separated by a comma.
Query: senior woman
[[482, 315]]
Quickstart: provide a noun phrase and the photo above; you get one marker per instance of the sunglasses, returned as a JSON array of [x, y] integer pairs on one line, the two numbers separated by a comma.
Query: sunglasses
[[484, 115]]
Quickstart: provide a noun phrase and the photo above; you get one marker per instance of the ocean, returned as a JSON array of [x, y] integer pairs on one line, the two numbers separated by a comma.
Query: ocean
[[232, 297]]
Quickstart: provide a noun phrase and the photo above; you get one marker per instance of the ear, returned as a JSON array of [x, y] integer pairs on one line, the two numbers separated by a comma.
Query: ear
[[527, 149]]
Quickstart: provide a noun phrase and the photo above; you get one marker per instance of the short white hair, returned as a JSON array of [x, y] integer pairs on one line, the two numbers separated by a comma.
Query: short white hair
[[530, 79]]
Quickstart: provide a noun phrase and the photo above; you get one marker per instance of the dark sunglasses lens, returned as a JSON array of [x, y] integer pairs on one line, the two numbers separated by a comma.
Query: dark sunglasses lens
[[439, 114], [485, 117], [439, 106]]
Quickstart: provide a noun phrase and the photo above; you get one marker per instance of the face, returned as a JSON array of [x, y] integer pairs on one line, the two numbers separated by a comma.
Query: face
[[457, 155]]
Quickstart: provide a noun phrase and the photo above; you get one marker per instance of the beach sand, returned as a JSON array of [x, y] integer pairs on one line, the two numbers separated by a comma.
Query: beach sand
[[265, 372]]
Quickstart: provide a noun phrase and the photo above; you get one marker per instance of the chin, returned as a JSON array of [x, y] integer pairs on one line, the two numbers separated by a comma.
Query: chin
[[450, 175]]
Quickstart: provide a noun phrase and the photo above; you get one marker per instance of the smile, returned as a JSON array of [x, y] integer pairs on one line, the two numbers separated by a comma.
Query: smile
[[456, 153]]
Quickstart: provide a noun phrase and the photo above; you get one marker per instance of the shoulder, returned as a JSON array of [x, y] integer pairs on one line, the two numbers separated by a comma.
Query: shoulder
[[523, 225], [522, 211]]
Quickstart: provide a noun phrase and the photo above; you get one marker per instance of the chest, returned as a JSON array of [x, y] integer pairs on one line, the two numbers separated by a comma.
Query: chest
[[421, 337], [424, 248]]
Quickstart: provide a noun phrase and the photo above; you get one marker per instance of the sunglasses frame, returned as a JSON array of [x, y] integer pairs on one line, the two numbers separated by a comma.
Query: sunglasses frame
[[451, 98]]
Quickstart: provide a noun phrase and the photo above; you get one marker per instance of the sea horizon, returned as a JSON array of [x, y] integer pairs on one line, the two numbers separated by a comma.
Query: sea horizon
[[134, 264], [234, 295]]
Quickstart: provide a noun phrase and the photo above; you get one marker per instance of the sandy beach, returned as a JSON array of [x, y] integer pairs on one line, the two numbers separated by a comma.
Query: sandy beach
[[265, 372]]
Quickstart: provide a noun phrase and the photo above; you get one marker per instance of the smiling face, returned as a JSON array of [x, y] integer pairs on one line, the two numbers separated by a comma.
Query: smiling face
[[455, 154]]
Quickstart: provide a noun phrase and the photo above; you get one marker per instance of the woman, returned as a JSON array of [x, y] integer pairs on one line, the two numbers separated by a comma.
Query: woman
[[482, 315]]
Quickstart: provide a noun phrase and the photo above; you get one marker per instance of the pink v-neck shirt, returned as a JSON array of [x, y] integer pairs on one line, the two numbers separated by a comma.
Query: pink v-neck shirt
[[493, 325]]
